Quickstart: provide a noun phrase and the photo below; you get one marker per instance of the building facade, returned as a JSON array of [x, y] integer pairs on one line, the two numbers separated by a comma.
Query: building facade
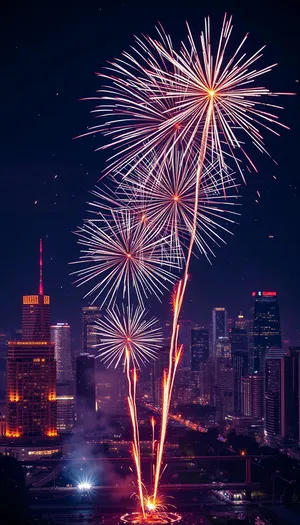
[[290, 393], [90, 339], [61, 337], [219, 327], [272, 397], [266, 327], [199, 347]]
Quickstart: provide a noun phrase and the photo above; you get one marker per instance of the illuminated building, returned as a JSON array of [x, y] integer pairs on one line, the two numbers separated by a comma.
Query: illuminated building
[[65, 401], [199, 347], [90, 339], [85, 392], [60, 335], [31, 389], [31, 372], [257, 393], [225, 391], [252, 396], [238, 336], [266, 327], [246, 398], [290, 392], [219, 327], [223, 355], [272, 397]]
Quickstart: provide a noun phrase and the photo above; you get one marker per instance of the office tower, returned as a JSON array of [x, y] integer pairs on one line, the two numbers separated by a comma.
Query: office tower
[[246, 396], [185, 388], [65, 401], [272, 397], [224, 392], [257, 394], [223, 350], [290, 391], [266, 327], [90, 339], [184, 338], [238, 336], [85, 392], [31, 389], [219, 327], [252, 396], [31, 371], [61, 337], [199, 347], [207, 382]]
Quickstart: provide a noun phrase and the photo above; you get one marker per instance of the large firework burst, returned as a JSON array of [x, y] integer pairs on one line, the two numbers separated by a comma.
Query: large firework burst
[[158, 98]]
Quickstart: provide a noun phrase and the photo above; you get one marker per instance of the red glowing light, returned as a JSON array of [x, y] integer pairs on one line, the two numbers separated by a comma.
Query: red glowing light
[[269, 294]]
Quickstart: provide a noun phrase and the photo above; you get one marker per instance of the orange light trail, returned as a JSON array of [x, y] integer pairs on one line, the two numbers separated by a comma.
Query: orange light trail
[[136, 451]]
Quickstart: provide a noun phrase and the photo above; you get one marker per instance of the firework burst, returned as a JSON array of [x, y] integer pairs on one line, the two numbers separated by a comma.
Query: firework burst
[[164, 199], [127, 330], [124, 257], [158, 98]]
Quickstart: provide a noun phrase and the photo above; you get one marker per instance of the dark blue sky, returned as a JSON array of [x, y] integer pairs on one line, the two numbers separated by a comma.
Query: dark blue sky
[[48, 59]]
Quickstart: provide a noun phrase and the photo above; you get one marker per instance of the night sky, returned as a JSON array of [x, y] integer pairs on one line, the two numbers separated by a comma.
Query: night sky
[[48, 59]]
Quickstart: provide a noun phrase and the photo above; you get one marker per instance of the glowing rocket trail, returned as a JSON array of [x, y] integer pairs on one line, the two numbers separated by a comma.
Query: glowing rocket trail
[[136, 450]]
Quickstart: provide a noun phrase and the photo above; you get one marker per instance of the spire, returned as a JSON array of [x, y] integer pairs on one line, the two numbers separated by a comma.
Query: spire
[[41, 289]]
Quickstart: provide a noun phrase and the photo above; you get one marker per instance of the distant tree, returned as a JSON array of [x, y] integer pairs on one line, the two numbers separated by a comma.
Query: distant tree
[[14, 507]]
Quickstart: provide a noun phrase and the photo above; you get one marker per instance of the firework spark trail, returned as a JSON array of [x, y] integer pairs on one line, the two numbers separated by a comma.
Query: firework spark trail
[[178, 303], [136, 451]]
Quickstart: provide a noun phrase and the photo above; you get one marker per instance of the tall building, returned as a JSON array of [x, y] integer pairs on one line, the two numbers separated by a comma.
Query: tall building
[[65, 401], [85, 392], [225, 391], [60, 335], [238, 336], [266, 327], [257, 394], [252, 396], [184, 338], [199, 347], [219, 327], [31, 371], [272, 397], [290, 392], [246, 396], [90, 339]]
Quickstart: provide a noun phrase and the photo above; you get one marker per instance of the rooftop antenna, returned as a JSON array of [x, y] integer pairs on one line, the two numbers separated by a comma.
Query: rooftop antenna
[[41, 288]]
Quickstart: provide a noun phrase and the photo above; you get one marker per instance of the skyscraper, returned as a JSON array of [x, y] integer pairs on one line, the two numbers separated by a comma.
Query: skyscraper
[[252, 396], [290, 393], [31, 371], [60, 335], [225, 390], [239, 348], [272, 397], [85, 392], [219, 327], [266, 326], [65, 400], [90, 314], [199, 347]]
